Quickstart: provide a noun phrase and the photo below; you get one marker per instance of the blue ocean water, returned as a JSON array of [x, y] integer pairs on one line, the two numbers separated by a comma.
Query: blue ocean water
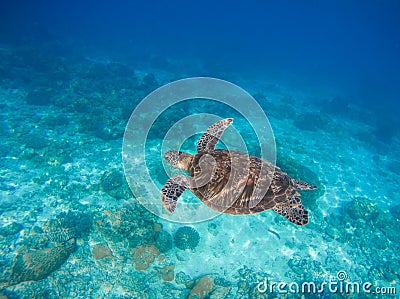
[[327, 76]]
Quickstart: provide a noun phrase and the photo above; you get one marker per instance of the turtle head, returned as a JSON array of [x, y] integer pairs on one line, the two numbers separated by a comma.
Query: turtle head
[[178, 159]]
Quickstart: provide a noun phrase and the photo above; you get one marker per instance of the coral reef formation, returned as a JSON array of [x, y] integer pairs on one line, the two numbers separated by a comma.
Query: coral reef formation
[[114, 184], [47, 248], [67, 226], [11, 229], [39, 264], [186, 237], [132, 223], [163, 241]]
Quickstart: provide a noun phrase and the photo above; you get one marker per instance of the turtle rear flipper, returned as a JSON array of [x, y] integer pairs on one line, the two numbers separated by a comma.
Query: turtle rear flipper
[[299, 185], [293, 210], [172, 190]]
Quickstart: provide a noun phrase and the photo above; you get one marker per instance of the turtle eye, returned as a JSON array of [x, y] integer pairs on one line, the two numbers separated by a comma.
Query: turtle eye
[[197, 170]]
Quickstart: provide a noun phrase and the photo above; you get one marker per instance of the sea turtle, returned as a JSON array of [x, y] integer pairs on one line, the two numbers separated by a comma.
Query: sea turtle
[[233, 182]]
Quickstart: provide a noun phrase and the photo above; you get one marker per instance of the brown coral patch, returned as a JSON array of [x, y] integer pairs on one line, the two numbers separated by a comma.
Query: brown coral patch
[[101, 251], [205, 287], [167, 273], [202, 288], [144, 255], [157, 227]]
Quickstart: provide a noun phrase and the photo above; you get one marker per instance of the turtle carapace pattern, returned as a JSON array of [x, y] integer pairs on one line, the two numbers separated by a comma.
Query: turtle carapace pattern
[[233, 182]]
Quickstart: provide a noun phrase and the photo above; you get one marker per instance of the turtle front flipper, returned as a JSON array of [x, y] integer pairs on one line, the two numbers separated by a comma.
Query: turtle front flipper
[[293, 210], [210, 138], [171, 191]]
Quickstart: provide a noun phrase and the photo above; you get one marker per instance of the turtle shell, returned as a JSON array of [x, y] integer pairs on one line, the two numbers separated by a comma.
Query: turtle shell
[[236, 183]]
